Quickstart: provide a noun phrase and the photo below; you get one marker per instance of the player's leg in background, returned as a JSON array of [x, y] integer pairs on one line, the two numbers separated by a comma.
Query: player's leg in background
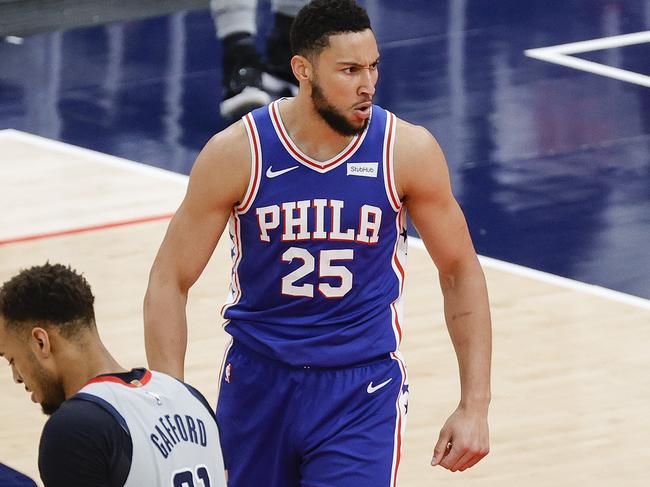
[[278, 78], [235, 23]]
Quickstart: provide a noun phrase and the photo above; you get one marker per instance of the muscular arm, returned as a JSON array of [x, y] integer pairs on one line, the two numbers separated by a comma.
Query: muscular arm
[[217, 183], [423, 181]]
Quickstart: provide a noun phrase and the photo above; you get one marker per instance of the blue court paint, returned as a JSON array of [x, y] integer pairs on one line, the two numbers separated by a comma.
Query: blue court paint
[[550, 164]]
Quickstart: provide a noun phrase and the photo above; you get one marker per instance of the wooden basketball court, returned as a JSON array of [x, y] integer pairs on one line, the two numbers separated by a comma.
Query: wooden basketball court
[[570, 373]]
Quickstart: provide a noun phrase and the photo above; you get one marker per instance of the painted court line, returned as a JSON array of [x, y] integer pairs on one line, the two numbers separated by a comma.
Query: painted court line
[[560, 54], [90, 228], [102, 158], [553, 279]]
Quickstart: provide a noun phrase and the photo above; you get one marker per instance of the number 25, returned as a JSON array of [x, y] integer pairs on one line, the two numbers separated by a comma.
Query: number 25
[[325, 269]]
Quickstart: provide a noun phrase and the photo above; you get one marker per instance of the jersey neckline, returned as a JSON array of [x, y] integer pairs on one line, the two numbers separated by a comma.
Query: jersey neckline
[[119, 378], [295, 152]]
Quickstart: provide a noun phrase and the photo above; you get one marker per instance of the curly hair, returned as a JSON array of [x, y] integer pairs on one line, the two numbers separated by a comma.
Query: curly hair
[[51, 293], [320, 19]]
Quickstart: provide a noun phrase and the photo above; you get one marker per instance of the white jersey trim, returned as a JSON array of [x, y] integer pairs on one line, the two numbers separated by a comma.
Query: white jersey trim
[[398, 263], [234, 293], [234, 223], [389, 173], [256, 164], [398, 259]]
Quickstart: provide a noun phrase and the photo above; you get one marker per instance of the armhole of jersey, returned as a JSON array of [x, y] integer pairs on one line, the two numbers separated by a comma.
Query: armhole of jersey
[[389, 173], [106, 406], [256, 164], [201, 398]]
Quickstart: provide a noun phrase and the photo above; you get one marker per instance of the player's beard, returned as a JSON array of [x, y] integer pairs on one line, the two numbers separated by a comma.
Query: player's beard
[[331, 115], [50, 389]]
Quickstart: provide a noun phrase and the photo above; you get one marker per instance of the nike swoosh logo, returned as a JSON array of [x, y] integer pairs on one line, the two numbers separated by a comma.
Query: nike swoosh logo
[[270, 173], [372, 388]]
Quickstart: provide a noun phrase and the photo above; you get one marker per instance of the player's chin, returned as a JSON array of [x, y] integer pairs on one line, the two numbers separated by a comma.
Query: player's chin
[[356, 123]]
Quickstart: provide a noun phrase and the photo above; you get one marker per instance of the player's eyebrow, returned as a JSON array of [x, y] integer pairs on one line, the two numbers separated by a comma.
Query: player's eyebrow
[[354, 63]]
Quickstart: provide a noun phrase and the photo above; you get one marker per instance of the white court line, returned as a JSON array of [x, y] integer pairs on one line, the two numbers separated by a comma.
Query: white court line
[[599, 44], [100, 157], [559, 55], [416, 242], [553, 279]]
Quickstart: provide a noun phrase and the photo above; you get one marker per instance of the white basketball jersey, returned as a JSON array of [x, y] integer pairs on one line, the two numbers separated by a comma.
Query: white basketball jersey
[[174, 434]]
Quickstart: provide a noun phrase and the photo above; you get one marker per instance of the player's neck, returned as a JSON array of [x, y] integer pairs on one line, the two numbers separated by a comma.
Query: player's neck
[[85, 364], [309, 131]]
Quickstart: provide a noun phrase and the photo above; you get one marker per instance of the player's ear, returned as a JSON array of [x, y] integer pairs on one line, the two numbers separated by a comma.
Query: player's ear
[[40, 342], [302, 68]]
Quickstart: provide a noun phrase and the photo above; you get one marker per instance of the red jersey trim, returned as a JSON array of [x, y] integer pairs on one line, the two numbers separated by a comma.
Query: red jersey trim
[[111, 378], [296, 153]]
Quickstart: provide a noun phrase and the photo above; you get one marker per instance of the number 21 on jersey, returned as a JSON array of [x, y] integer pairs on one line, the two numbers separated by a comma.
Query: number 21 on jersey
[[199, 477]]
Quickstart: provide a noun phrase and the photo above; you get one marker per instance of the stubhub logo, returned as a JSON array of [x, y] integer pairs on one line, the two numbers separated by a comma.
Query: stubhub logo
[[366, 169]]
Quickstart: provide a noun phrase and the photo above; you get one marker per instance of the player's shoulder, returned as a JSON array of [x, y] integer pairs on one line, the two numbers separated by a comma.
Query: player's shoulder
[[223, 165], [418, 158], [413, 137], [77, 425], [82, 442], [229, 146], [415, 144], [78, 416]]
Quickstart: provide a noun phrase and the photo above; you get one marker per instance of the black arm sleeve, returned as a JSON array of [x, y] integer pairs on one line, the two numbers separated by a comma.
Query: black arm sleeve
[[83, 444]]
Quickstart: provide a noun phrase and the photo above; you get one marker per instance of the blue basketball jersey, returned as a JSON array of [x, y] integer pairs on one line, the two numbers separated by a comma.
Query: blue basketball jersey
[[319, 248]]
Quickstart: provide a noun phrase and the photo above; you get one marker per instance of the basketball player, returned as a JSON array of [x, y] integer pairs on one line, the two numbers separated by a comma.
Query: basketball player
[[108, 426], [315, 188]]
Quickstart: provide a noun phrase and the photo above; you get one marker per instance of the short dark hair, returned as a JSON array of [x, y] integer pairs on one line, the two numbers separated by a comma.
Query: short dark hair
[[52, 293], [320, 19]]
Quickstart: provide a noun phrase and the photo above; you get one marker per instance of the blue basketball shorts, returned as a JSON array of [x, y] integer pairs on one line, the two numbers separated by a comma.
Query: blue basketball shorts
[[284, 426]]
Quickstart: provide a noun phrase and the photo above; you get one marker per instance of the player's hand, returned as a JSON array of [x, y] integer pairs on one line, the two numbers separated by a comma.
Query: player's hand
[[463, 440]]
